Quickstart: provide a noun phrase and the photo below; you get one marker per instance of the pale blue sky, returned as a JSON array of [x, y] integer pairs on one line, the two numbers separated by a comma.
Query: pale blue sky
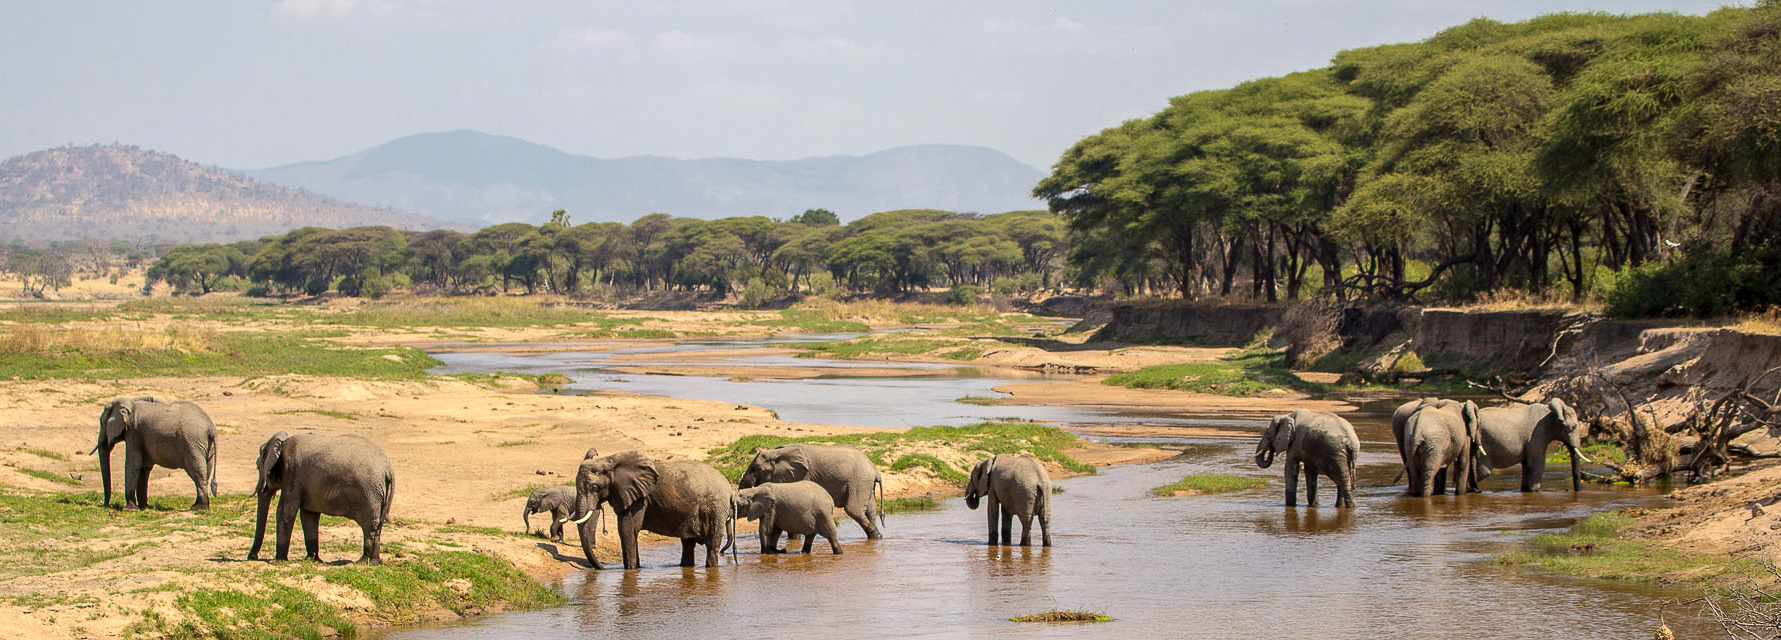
[[255, 84]]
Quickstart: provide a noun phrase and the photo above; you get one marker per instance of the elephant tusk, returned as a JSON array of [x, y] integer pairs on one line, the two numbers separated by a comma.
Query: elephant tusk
[[590, 514], [1584, 458]]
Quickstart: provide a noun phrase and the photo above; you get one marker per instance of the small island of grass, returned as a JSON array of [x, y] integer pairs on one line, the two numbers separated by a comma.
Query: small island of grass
[[1208, 483]]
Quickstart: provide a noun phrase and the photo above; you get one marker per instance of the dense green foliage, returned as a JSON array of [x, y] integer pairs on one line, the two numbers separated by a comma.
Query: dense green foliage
[[1539, 155]]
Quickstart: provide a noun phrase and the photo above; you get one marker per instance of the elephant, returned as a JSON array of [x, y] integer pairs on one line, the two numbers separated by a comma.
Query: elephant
[[1519, 435], [1400, 419], [558, 500], [1016, 485], [343, 475], [801, 507], [844, 471], [1321, 442], [682, 499], [1439, 440], [177, 435]]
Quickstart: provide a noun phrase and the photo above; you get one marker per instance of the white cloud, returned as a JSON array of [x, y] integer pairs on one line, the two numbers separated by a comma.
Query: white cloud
[[687, 46], [311, 8], [589, 38]]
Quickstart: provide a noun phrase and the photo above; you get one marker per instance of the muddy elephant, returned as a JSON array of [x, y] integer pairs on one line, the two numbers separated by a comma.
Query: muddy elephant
[[686, 500], [176, 435], [558, 500], [1321, 443], [801, 507], [1013, 485], [1400, 420], [845, 472], [1519, 435], [1439, 440], [343, 475]]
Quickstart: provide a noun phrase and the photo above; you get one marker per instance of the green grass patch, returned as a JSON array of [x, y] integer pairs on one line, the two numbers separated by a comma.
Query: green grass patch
[[1247, 373], [811, 321], [1597, 450], [60, 531], [542, 380], [967, 353], [53, 314], [976, 400], [337, 415], [50, 476], [627, 334], [863, 346], [515, 443], [1209, 483], [888, 448], [1593, 548], [34, 352], [910, 505], [466, 312], [46, 453], [1062, 615]]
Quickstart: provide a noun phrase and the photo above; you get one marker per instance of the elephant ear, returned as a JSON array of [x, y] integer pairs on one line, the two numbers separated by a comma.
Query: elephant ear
[[271, 462], [981, 474], [799, 460], [1469, 411], [633, 477], [1563, 414], [1282, 428], [591, 454], [114, 429]]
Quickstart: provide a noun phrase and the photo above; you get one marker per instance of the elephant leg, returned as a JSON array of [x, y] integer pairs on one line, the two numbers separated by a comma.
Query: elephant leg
[[1533, 465], [826, 527], [1026, 529], [1292, 483], [629, 524], [312, 537], [860, 511], [1310, 487], [372, 534], [1440, 486], [990, 508], [1045, 527], [809, 541], [769, 535], [557, 514], [686, 551], [714, 541], [195, 469], [1344, 489], [132, 472], [1007, 525]]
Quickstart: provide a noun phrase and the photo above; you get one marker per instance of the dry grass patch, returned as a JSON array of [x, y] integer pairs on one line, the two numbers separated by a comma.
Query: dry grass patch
[[1063, 615]]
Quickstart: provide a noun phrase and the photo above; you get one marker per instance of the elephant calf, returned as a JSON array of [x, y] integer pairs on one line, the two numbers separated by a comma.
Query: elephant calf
[[558, 500], [1016, 485], [1321, 443], [802, 508], [343, 475]]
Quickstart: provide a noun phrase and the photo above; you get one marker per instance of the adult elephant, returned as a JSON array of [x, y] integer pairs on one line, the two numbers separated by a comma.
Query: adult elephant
[[1519, 435], [1438, 442], [1321, 443], [845, 472], [344, 475], [176, 435], [686, 500], [1014, 485], [1400, 420]]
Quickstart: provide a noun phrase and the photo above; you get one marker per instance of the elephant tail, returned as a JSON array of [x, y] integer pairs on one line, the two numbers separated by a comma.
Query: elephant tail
[[878, 485], [389, 491], [210, 462]]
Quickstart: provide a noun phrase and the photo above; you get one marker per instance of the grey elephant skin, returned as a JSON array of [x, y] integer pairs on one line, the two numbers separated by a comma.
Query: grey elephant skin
[[1012, 485], [845, 472], [1400, 421], [1319, 443], [558, 500], [1519, 435], [1438, 442], [802, 507], [686, 500], [343, 475], [176, 435]]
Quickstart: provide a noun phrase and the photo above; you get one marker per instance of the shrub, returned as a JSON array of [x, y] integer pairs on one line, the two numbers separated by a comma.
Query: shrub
[[1714, 284], [756, 294], [963, 294]]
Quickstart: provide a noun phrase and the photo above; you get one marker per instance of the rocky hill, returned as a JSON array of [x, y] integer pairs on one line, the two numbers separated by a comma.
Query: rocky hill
[[487, 179], [122, 192]]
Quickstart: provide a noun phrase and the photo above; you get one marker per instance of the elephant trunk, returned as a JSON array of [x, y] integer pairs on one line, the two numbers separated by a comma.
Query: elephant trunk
[[104, 451], [259, 522], [589, 507], [1264, 457], [1576, 471], [526, 517]]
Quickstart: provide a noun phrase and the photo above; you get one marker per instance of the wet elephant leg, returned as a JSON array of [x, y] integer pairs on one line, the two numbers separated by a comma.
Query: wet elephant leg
[[1026, 530], [990, 509], [686, 551], [859, 511], [1007, 525], [1310, 487]]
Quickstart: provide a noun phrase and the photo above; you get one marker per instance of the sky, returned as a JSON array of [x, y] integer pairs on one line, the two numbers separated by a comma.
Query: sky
[[249, 85]]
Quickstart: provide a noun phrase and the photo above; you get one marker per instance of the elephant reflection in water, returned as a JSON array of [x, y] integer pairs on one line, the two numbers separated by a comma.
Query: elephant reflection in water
[[1296, 521]]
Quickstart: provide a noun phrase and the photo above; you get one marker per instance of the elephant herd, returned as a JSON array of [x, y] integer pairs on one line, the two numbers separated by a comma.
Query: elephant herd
[[791, 489], [1438, 441]]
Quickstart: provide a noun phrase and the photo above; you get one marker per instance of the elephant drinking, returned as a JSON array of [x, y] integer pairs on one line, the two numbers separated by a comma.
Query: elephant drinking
[[1321, 443]]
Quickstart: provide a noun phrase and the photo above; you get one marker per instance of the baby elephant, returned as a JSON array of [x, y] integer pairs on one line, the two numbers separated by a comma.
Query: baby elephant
[[1016, 485], [801, 507], [558, 500]]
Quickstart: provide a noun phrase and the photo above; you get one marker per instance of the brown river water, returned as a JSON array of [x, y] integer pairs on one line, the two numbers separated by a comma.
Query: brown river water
[[1223, 566]]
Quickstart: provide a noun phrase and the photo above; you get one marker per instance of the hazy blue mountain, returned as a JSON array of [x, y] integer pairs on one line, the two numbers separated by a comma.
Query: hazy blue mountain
[[113, 192], [482, 178]]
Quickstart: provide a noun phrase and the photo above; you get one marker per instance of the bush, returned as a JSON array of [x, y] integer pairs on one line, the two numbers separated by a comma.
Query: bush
[[1715, 284], [963, 294], [1005, 286], [756, 294]]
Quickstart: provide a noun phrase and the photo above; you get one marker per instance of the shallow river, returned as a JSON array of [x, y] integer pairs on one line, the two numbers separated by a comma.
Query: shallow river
[[1208, 566]]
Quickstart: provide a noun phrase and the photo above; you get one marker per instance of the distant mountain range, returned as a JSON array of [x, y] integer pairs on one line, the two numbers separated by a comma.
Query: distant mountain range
[[484, 179], [126, 193]]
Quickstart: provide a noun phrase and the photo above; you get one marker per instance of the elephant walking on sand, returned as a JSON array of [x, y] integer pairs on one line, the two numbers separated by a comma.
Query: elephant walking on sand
[[176, 435], [1438, 443], [686, 500], [1014, 485], [344, 475], [558, 500], [802, 507], [1519, 435], [1322, 443], [845, 472]]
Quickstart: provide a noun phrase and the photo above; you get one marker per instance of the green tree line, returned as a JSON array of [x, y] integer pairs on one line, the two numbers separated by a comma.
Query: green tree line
[[886, 253], [1633, 157]]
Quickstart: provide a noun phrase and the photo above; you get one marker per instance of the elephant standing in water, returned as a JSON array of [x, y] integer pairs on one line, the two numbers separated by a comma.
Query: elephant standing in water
[[686, 500], [176, 435], [1400, 421], [344, 475], [1016, 485], [1322, 443], [1438, 442], [845, 472], [558, 500], [1519, 435], [802, 507]]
